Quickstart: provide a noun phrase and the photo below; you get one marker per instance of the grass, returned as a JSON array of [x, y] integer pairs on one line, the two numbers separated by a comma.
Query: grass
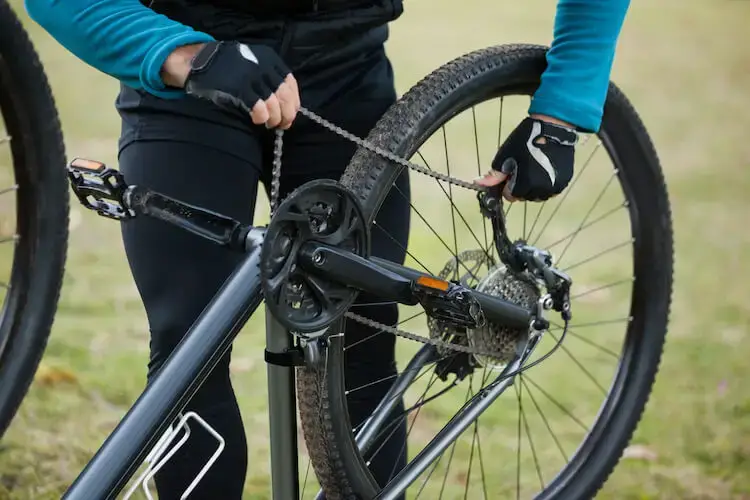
[[684, 66]]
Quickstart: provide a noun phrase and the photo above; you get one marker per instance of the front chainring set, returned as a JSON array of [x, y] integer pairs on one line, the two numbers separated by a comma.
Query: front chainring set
[[324, 211]]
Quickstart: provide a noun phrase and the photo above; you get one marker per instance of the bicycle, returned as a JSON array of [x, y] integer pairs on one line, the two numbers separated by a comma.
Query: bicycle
[[31, 143], [488, 311]]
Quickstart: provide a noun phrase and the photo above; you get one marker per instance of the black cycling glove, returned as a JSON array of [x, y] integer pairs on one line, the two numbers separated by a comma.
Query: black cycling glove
[[234, 75], [538, 159]]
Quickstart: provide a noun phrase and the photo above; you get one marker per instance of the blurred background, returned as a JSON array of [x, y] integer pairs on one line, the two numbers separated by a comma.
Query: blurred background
[[684, 64]]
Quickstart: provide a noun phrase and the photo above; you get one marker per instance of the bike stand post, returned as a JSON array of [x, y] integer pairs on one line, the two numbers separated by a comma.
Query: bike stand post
[[282, 412]]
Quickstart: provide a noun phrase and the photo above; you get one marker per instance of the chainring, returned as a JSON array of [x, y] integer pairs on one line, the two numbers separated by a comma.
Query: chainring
[[323, 211]]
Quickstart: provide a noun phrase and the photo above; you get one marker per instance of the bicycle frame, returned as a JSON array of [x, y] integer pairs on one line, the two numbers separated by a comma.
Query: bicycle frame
[[207, 341]]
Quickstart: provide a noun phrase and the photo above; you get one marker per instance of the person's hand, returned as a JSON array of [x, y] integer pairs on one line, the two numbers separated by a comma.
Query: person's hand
[[535, 162], [234, 75]]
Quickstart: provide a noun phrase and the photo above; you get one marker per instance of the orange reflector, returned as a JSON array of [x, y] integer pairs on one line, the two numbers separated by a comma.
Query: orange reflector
[[87, 164], [435, 283]]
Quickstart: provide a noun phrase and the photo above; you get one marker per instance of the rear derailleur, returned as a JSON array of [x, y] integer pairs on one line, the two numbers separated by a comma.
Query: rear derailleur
[[520, 257]]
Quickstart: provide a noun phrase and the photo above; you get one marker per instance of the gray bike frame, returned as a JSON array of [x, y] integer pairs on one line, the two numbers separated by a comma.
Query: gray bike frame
[[203, 346]]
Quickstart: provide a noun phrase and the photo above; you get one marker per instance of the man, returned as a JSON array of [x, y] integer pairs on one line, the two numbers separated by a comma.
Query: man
[[193, 70]]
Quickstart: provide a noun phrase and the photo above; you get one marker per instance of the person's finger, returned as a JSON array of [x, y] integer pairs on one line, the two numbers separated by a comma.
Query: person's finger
[[287, 100], [288, 113], [491, 178], [292, 82], [274, 111], [259, 113]]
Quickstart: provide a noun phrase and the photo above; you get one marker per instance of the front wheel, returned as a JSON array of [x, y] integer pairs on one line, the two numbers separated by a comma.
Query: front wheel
[[560, 427], [33, 212]]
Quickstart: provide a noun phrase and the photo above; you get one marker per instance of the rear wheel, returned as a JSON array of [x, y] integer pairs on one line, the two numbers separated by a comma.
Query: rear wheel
[[585, 401], [33, 212]]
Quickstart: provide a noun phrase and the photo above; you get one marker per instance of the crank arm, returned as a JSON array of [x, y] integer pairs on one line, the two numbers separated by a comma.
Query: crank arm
[[389, 281], [104, 190]]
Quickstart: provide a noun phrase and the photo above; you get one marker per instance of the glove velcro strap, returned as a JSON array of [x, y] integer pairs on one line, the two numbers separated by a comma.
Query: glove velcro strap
[[558, 133]]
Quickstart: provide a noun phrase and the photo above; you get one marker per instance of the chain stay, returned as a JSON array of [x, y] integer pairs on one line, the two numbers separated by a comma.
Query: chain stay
[[275, 195]]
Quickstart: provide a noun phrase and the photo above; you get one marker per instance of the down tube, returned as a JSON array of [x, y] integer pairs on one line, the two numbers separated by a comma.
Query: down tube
[[184, 371]]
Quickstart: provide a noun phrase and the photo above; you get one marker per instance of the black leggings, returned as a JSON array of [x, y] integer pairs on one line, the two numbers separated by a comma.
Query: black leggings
[[177, 273]]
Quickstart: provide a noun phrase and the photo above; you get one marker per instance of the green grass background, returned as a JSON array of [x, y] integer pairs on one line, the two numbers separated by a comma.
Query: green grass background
[[686, 67]]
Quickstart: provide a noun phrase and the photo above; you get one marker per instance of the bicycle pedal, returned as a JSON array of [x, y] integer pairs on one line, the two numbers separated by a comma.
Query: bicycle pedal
[[162, 453], [99, 188]]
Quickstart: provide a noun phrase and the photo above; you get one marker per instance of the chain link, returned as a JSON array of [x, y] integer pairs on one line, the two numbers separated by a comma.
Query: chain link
[[387, 154], [418, 338], [275, 190], [278, 145]]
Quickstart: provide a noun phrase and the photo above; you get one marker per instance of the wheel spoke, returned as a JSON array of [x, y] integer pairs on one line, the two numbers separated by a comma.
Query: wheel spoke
[[396, 422], [453, 450], [579, 364], [419, 405], [473, 443], [453, 206], [566, 193], [9, 189], [519, 391], [587, 225], [518, 446], [479, 173], [481, 461], [598, 323], [453, 251], [586, 217], [450, 198], [304, 482], [536, 219], [590, 342], [500, 124], [546, 422], [427, 479], [603, 287], [600, 254], [557, 403], [381, 331], [390, 377], [402, 247]]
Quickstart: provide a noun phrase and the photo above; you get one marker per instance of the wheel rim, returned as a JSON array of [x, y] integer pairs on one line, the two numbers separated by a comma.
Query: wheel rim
[[526, 389]]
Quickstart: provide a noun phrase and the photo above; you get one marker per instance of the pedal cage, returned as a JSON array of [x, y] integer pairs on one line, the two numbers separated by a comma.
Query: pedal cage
[[161, 454], [99, 188]]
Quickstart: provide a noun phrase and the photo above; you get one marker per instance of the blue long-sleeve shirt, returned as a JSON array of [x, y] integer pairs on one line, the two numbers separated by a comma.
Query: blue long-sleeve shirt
[[130, 42]]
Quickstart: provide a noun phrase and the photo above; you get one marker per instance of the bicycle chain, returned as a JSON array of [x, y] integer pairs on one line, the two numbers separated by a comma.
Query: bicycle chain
[[417, 338], [275, 195]]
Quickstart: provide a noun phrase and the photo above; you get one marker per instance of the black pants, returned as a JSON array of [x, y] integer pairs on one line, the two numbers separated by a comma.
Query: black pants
[[196, 153]]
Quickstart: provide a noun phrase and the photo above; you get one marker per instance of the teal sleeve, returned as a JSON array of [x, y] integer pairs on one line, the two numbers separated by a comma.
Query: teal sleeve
[[574, 85], [122, 38]]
